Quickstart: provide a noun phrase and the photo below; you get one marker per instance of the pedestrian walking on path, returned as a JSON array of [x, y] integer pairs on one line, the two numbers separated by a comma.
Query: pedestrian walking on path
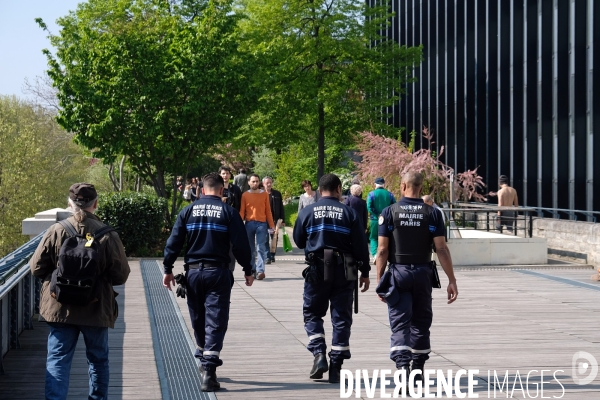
[[204, 227], [256, 211], [67, 319], [332, 237], [407, 231], [377, 200]]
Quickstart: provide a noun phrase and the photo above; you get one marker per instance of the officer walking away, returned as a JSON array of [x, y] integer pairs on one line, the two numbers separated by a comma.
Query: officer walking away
[[67, 320], [333, 239], [407, 231], [209, 225], [377, 200]]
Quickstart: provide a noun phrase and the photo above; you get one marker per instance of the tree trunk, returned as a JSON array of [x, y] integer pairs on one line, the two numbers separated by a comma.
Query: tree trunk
[[321, 146], [121, 165], [174, 197], [113, 178], [158, 182]]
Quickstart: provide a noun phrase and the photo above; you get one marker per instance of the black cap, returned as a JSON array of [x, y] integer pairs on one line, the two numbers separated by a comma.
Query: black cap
[[82, 193], [380, 181]]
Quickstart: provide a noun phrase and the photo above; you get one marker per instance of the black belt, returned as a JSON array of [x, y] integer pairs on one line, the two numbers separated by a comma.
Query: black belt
[[207, 265]]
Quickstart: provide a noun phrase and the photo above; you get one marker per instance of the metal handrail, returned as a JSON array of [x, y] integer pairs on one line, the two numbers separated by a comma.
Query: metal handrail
[[527, 217], [4, 277], [539, 210], [572, 213]]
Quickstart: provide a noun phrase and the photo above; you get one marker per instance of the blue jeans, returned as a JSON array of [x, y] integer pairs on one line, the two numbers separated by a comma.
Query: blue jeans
[[258, 230], [61, 346]]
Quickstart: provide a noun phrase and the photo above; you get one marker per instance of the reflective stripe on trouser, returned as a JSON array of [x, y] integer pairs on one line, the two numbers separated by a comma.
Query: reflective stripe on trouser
[[208, 298], [411, 316], [316, 301]]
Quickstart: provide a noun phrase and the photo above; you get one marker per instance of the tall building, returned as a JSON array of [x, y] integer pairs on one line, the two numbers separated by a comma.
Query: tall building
[[508, 86]]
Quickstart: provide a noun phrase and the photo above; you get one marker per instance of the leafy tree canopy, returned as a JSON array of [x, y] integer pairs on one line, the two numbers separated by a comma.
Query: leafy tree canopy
[[325, 70], [156, 81], [38, 164]]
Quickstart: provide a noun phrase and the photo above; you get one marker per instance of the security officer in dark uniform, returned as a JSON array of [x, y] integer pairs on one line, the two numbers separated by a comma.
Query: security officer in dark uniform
[[210, 226], [335, 246], [407, 230]]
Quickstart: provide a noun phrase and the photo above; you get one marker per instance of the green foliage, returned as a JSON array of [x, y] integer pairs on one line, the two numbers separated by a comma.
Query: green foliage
[[411, 143], [264, 161], [291, 213], [138, 217], [322, 66], [297, 163], [38, 164], [158, 82]]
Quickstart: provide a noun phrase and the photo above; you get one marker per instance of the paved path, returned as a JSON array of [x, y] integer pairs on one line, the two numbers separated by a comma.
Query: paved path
[[504, 320]]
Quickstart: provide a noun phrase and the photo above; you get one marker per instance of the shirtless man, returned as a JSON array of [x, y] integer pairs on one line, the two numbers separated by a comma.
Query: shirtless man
[[507, 197]]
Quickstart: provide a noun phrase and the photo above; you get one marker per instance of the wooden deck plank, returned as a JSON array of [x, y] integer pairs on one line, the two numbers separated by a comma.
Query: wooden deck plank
[[133, 372], [502, 321]]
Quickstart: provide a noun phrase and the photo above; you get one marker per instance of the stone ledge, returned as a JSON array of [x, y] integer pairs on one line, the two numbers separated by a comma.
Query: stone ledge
[[42, 221]]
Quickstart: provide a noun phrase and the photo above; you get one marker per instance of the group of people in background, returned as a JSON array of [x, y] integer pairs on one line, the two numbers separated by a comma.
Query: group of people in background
[[262, 208]]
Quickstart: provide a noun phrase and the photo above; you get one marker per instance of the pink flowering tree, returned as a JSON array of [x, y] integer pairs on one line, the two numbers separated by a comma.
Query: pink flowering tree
[[391, 158]]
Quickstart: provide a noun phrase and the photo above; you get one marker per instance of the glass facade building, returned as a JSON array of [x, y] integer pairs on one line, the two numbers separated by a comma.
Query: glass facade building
[[508, 86]]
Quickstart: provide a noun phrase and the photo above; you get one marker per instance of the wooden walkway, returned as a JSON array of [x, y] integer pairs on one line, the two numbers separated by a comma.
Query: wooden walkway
[[504, 320], [133, 373]]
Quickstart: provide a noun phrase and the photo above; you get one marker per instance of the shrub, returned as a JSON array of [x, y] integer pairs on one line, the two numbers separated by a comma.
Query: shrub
[[138, 217], [291, 213]]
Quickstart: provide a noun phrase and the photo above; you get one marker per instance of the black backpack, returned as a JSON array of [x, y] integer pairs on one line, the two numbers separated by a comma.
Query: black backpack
[[75, 279]]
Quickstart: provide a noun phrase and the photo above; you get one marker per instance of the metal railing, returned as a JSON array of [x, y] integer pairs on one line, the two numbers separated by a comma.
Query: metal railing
[[19, 296], [518, 221], [572, 214]]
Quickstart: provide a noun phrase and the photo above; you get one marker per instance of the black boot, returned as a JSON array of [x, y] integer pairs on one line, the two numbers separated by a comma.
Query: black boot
[[319, 366], [419, 376], [334, 372], [209, 382], [404, 387]]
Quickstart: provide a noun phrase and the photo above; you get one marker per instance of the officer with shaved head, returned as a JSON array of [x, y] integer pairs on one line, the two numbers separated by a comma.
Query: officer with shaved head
[[406, 232]]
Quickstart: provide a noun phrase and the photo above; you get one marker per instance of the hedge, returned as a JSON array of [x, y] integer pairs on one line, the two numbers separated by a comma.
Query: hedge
[[137, 217]]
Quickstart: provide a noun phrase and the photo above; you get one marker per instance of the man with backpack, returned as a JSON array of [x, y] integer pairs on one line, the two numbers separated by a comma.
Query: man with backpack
[[79, 260]]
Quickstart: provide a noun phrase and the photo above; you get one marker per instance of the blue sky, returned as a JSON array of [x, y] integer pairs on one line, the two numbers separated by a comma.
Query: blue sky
[[22, 41]]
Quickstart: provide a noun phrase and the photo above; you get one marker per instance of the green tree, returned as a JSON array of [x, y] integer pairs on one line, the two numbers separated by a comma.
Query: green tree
[[38, 163], [265, 162], [326, 71], [159, 82]]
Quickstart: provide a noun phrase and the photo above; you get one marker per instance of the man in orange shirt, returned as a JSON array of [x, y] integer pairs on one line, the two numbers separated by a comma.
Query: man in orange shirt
[[255, 210]]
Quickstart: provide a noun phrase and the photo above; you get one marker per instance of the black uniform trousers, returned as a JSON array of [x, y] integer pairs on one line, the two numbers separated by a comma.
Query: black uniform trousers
[[317, 297], [411, 315], [208, 298]]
